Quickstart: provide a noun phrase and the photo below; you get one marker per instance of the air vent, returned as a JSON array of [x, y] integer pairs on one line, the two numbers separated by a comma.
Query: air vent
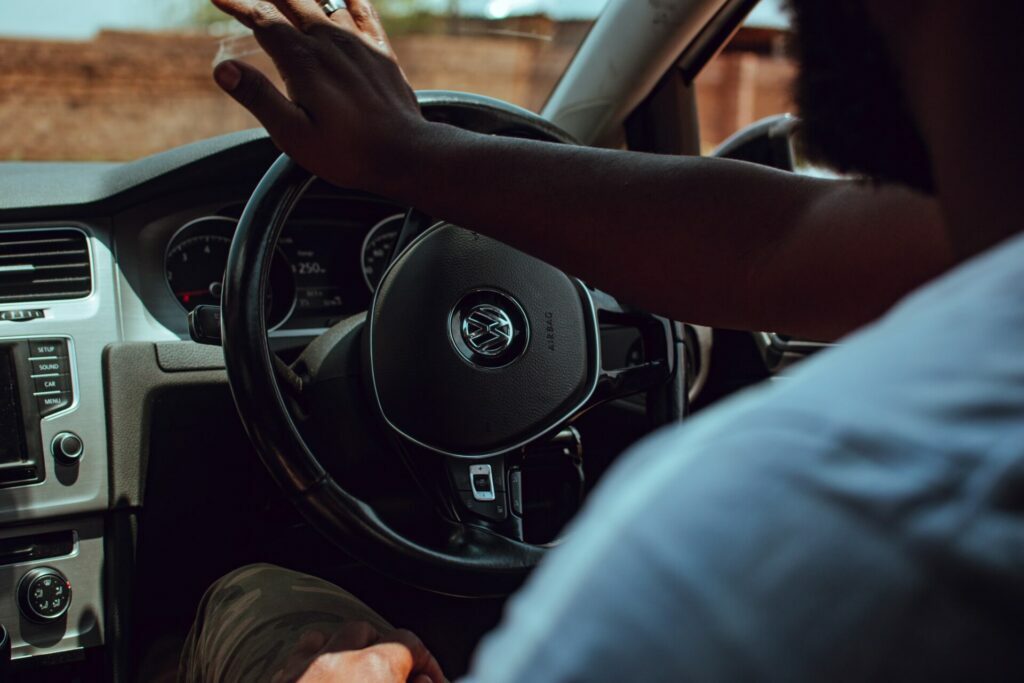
[[44, 265]]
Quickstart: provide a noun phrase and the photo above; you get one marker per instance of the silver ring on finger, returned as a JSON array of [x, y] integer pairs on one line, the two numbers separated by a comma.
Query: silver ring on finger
[[331, 6]]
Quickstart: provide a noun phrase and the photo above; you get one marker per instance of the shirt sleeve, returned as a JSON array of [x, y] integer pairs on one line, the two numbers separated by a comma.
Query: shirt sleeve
[[713, 555]]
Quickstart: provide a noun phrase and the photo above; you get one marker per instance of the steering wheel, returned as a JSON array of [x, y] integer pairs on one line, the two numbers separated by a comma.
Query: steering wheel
[[471, 354]]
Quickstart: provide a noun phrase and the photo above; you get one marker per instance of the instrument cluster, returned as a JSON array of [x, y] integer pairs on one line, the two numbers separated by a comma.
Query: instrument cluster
[[328, 262]]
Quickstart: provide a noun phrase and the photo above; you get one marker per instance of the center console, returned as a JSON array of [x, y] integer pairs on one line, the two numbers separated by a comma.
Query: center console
[[54, 490], [36, 381]]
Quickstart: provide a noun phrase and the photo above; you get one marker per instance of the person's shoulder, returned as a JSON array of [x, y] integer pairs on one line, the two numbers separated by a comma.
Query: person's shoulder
[[904, 392]]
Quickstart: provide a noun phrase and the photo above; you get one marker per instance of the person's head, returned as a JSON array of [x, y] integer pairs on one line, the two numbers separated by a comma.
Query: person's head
[[872, 72], [855, 114]]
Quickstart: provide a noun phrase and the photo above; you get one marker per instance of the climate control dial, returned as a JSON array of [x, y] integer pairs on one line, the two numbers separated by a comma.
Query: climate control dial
[[44, 595]]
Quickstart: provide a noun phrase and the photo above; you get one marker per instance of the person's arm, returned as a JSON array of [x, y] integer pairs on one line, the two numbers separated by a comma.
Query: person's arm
[[708, 241]]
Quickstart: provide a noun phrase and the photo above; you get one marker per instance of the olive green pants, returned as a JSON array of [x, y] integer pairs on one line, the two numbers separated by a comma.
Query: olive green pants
[[250, 621]]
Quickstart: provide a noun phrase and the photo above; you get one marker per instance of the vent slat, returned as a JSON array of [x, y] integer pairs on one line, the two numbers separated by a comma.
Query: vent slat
[[52, 240], [44, 296], [43, 281], [44, 265], [41, 254], [56, 266]]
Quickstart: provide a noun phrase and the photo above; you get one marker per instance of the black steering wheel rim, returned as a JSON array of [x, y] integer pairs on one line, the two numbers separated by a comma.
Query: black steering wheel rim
[[473, 560]]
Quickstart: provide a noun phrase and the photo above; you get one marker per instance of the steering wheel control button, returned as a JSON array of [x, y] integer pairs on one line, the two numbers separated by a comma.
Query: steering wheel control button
[[515, 491], [460, 471], [489, 329], [494, 510], [463, 328], [481, 479], [44, 595], [67, 448]]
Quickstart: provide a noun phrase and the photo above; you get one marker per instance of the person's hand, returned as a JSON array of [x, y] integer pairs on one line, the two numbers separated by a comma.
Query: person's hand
[[357, 653], [349, 115]]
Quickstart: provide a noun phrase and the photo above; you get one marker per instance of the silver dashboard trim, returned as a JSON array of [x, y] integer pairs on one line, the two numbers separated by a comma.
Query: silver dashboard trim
[[89, 324], [366, 241], [15, 305], [84, 624]]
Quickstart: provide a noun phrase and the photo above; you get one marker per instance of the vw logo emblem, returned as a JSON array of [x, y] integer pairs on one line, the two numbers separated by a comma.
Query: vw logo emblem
[[488, 330]]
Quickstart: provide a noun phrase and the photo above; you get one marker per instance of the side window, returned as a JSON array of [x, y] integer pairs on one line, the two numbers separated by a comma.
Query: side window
[[750, 79]]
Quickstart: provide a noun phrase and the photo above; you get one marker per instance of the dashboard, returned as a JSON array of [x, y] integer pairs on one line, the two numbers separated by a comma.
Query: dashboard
[[109, 401], [102, 263]]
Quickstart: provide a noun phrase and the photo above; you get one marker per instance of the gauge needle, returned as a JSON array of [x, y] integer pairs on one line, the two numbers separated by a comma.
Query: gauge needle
[[185, 296]]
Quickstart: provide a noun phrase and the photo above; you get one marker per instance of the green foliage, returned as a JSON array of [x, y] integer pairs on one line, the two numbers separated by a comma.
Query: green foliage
[[399, 16], [205, 14]]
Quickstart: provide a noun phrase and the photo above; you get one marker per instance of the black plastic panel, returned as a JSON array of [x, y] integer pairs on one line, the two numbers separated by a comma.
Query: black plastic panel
[[36, 547]]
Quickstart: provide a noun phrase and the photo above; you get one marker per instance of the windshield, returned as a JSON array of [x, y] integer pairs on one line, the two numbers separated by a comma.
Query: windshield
[[113, 80]]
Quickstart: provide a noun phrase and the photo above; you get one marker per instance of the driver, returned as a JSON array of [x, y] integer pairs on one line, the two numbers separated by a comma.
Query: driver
[[861, 519]]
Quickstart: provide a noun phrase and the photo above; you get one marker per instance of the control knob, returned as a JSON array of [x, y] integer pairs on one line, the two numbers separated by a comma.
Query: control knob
[[44, 595], [67, 448]]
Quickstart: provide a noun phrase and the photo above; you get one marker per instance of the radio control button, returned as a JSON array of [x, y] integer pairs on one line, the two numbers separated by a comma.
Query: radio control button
[[52, 403], [67, 448], [49, 384], [50, 366], [47, 347]]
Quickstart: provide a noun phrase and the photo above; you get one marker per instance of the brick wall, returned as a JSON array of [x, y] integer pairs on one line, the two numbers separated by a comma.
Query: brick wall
[[124, 95]]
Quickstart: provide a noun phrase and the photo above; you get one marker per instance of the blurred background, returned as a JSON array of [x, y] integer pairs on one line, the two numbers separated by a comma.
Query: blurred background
[[113, 80]]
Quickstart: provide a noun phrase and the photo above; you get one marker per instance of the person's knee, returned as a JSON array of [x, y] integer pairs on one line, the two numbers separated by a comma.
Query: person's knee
[[247, 575]]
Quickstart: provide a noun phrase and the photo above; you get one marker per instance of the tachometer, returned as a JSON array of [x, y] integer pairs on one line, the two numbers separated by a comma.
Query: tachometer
[[378, 247], [195, 263], [195, 269]]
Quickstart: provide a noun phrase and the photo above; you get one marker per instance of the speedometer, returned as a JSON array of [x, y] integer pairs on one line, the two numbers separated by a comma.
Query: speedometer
[[378, 248]]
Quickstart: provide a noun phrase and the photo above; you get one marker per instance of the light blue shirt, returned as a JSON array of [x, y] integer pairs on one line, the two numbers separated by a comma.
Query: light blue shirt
[[861, 519]]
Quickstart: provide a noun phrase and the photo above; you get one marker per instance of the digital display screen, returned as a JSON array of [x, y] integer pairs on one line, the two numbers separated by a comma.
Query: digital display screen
[[12, 434], [329, 284]]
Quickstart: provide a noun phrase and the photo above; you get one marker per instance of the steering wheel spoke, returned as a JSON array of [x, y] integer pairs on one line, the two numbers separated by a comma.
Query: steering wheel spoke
[[638, 351]]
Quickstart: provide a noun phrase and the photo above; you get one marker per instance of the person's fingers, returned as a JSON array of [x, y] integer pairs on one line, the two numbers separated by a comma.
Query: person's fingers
[[366, 17], [251, 13], [305, 14], [273, 30], [367, 20], [283, 119], [352, 635], [293, 52], [343, 19], [423, 662], [387, 657], [306, 650]]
